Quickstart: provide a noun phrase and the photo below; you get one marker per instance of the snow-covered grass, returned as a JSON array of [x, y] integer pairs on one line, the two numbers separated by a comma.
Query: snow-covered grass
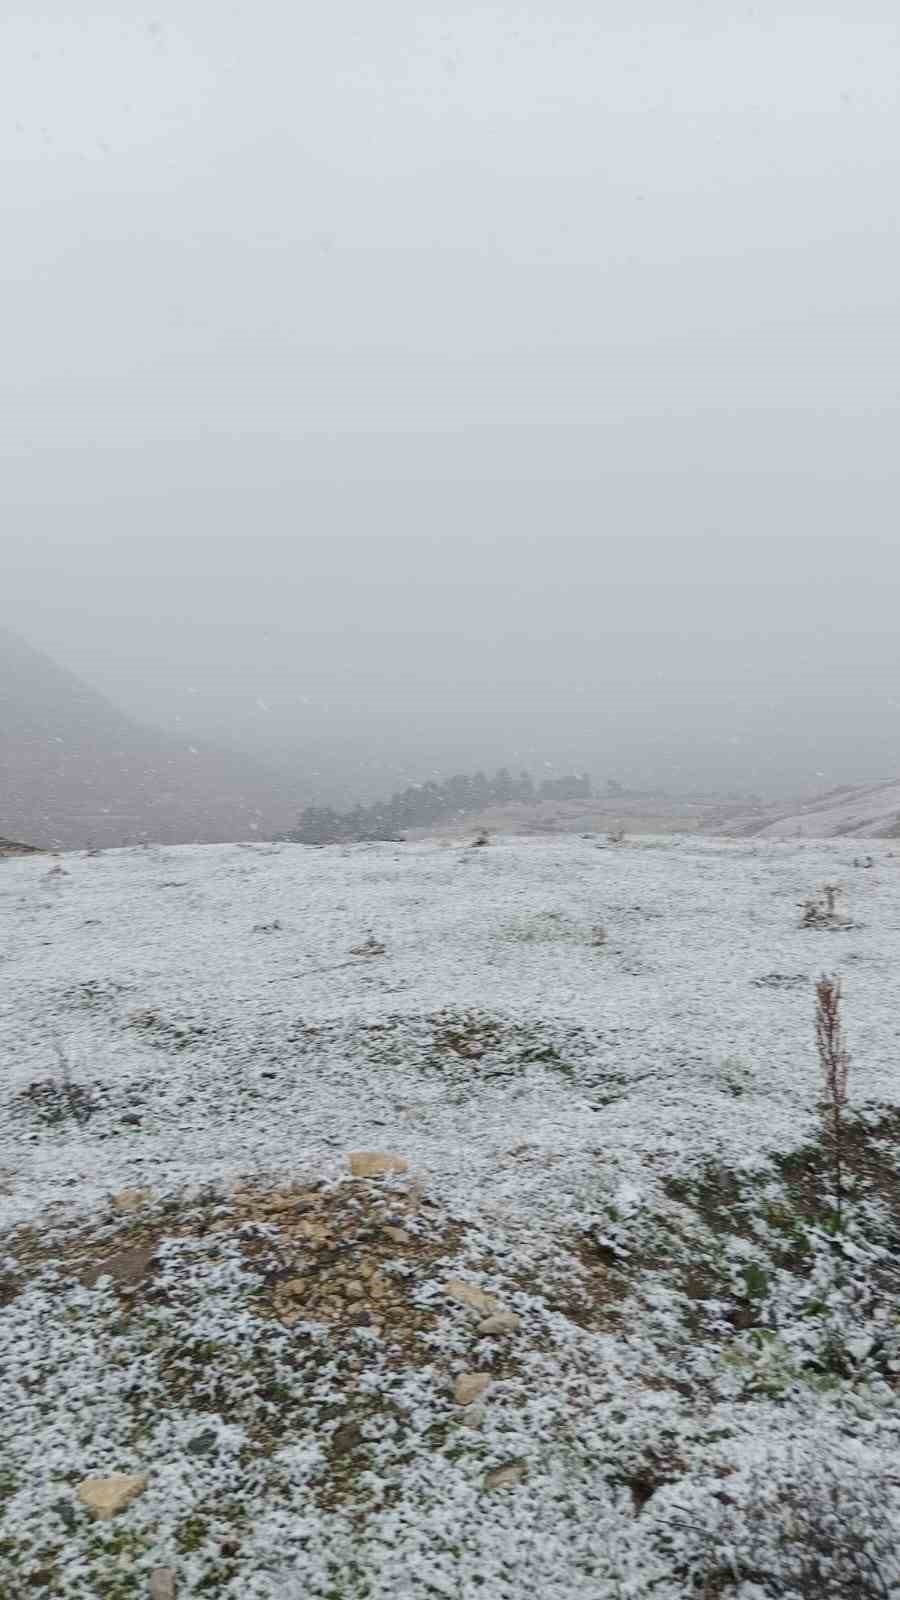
[[616, 1139]]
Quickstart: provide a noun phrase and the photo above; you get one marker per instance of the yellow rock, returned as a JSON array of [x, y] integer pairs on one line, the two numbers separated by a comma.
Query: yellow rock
[[470, 1386], [396, 1235], [105, 1496], [375, 1163], [469, 1294], [314, 1232], [500, 1322], [132, 1199], [502, 1477]]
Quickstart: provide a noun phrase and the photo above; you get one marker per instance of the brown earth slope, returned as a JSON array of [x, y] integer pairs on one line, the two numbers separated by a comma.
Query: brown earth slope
[[75, 770]]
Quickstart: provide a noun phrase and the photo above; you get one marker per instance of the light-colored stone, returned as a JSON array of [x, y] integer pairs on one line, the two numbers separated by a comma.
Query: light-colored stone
[[473, 1417], [105, 1496], [501, 1477], [396, 1235], [375, 1163], [132, 1199], [470, 1386], [469, 1294], [312, 1232], [162, 1583], [500, 1322], [296, 1288]]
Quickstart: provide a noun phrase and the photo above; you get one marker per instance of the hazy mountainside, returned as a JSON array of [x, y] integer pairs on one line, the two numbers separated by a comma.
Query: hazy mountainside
[[75, 770], [872, 811]]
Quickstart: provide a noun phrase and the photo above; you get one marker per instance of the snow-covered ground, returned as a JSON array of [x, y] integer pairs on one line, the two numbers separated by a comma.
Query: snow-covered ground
[[592, 1059]]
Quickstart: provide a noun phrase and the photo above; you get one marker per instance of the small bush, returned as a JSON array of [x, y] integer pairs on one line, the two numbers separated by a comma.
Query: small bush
[[58, 1100], [820, 911], [811, 1532]]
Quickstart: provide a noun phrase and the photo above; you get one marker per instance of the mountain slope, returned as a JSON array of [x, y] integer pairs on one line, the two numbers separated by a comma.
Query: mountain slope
[[869, 812], [75, 770]]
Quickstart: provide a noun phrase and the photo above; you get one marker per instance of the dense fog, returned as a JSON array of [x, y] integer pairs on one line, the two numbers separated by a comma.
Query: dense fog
[[392, 392], [763, 664]]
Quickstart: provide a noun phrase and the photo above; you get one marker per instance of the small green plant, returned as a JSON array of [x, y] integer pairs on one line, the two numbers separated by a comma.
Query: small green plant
[[756, 1281]]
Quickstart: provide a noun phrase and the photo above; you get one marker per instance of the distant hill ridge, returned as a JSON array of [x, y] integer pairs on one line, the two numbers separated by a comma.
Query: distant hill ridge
[[871, 811], [75, 770]]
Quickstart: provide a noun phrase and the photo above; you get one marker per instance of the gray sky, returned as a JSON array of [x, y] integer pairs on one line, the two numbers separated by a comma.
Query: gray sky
[[289, 279]]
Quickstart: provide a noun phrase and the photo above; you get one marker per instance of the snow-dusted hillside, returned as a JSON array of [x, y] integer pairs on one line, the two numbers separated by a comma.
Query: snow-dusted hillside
[[593, 1061], [868, 812]]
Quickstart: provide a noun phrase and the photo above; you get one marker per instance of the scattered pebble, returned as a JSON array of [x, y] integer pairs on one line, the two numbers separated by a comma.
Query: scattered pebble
[[375, 1164], [469, 1294], [501, 1477], [105, 1496], [500, 1322], [470, 1386], [132, 1199], [397, 1235]]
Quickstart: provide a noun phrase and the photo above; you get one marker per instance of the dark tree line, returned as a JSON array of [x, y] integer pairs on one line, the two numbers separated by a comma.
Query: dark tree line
[[422, 804]]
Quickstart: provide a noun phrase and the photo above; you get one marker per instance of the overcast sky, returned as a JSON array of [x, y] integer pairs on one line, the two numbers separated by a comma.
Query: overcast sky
[[622, 270]]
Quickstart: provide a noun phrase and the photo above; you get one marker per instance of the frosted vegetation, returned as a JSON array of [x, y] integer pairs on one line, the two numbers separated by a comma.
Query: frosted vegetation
[[615, 1323]]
